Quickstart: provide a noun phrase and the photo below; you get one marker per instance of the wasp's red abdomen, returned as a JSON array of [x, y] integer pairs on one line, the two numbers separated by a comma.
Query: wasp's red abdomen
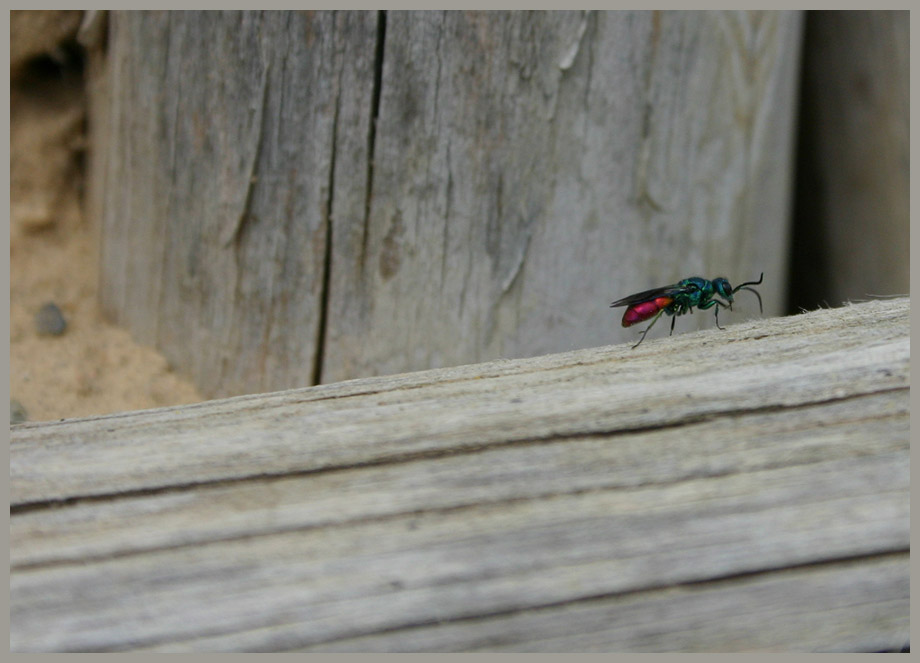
[[645, 310]]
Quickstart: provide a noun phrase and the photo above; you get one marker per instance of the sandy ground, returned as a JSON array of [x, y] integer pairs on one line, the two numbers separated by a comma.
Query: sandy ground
[[93, 367]]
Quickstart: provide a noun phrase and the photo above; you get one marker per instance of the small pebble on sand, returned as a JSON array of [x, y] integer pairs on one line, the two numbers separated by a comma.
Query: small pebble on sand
[[50, 321]]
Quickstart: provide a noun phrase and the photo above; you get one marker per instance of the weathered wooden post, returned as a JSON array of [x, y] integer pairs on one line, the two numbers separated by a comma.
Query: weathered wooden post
[[292, 198]]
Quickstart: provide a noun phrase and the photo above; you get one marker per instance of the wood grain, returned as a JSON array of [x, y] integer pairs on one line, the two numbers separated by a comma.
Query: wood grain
[[295, 198], [744, 489], [226, 125]]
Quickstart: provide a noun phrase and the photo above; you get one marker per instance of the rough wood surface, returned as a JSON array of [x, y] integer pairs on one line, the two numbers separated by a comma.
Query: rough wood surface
[[294, 198], [721, 490]]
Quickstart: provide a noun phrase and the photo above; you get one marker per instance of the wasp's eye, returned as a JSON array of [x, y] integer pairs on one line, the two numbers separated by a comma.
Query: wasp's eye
[[723, 287]]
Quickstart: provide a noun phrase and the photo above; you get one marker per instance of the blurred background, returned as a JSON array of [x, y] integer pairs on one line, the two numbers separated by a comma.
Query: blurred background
[[851, 209], [208, 204]]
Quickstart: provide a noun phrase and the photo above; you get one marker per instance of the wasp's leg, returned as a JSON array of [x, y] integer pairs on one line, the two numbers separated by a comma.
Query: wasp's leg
[[717, 317], [710, 304], [654, 320], [673, 320]]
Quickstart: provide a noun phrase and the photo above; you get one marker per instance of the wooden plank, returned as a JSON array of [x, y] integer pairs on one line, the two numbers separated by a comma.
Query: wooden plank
[[604, 499], [608, 389], [698, 617], [310, 586], [515, 184], [223, 129], [99, 528], [294, 197]]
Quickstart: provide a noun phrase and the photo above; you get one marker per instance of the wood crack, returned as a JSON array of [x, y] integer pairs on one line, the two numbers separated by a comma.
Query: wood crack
[[408, 457], [397, 515], [881, 556], [323, 299], [372, 132]]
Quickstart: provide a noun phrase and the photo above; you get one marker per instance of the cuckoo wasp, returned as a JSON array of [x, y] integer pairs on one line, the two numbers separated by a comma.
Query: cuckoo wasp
[[680, 298]]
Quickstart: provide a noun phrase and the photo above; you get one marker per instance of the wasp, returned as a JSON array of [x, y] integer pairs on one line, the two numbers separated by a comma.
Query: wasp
[[680, 298]]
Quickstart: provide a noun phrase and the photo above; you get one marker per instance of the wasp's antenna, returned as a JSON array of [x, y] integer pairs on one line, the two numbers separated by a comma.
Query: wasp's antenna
[[757, 282], [747, 286]]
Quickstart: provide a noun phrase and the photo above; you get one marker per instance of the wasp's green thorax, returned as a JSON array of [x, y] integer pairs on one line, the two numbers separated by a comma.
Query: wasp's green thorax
[[699, 291]]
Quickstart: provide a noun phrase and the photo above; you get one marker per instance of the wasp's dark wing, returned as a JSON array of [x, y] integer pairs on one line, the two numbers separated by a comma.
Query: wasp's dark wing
[[664, 291]]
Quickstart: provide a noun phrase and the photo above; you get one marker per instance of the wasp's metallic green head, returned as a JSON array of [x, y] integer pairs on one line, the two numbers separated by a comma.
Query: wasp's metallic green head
[[723, 288]]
